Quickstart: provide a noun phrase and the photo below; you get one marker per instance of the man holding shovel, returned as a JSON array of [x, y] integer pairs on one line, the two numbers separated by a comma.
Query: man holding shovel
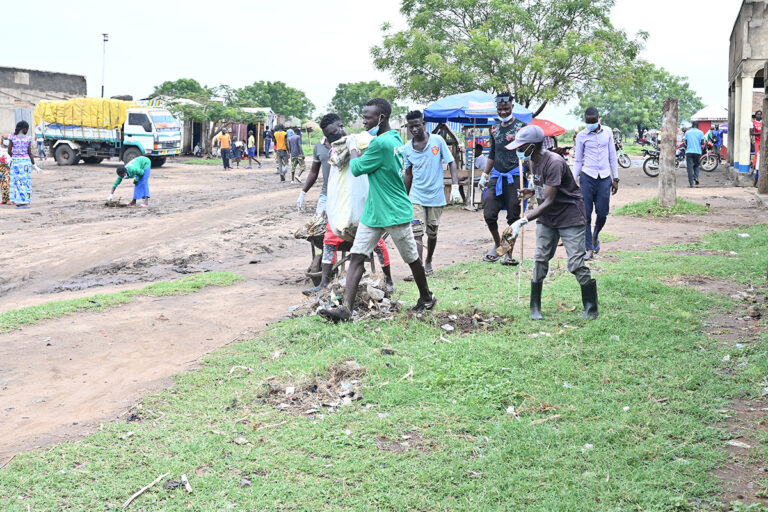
[[560, 214]]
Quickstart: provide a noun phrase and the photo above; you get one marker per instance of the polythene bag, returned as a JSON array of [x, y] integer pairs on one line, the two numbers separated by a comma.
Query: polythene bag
[[346, 200]]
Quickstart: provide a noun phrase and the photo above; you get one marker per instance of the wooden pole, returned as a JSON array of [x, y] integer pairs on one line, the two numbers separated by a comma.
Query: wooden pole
[[667, 180], [762, 180]]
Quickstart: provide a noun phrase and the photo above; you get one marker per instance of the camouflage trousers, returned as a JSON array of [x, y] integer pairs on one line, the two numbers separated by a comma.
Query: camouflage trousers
[[297, 161], [5, 182]]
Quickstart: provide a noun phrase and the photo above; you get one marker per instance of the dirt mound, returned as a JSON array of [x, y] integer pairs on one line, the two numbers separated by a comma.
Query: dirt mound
[[461, 323], [409, 441], [338, 388]]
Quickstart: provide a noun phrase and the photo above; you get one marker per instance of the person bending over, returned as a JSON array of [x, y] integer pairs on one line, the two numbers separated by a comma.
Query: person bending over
[[139, 169]]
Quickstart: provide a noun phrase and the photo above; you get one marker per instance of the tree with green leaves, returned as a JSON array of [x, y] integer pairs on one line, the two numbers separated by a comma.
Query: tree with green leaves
[[349, 99], [183, 88], [277, 96], [636, 95], [543, 51]]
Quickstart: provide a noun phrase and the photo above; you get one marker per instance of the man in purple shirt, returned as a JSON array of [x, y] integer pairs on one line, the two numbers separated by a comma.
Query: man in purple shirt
[[596, 164]]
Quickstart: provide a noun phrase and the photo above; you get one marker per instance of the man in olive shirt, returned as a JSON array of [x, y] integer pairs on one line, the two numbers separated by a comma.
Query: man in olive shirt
[[387, 208], [560, 214]]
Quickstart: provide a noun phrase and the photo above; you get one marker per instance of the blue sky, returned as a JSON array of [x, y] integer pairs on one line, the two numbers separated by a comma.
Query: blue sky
[[266, 40]]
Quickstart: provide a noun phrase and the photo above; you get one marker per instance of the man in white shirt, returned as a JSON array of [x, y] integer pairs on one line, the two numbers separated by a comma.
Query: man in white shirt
[[597, 166]]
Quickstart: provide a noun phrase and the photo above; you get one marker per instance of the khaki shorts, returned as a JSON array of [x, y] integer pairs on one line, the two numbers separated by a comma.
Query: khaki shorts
[[401, 235], [428, 216]]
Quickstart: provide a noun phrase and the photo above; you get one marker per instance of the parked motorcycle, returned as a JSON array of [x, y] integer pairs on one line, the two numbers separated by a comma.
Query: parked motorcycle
[[651, 163], [623, 158]]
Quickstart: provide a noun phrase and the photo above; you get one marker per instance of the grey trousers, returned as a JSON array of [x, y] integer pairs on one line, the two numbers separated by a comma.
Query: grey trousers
[[546, 245]]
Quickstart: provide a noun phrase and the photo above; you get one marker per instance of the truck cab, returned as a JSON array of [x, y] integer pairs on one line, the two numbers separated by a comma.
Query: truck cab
[[151, 132]]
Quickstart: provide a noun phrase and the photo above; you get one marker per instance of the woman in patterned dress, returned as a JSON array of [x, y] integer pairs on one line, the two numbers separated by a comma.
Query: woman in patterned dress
[[19, 148]]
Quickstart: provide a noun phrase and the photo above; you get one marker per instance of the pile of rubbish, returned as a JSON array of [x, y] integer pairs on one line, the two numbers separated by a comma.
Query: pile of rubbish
[[373, 300], [323, 394]]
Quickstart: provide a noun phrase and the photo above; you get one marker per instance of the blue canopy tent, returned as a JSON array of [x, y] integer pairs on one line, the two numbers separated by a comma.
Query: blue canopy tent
[[470, 109], [476, 107]]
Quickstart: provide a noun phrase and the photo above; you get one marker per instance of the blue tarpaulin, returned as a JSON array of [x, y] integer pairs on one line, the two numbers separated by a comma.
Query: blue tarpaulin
[[476, 107]]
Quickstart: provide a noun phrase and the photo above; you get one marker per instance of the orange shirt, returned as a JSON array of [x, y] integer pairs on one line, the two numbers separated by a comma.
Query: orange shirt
[[224, 140], [280, 140]]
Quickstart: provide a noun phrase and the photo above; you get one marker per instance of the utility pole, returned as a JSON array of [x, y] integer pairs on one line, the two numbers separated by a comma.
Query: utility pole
[[762, 179], [667, 163], [103, 62]]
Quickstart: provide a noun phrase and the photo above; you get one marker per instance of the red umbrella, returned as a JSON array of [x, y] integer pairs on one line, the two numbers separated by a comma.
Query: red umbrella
[[550, 129]]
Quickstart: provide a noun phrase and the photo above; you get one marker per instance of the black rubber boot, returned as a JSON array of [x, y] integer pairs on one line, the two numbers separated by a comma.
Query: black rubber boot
[[536, 300], [589, 299]]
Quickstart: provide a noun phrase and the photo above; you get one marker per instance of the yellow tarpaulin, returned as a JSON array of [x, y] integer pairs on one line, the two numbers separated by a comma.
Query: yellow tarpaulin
[[90, 112]]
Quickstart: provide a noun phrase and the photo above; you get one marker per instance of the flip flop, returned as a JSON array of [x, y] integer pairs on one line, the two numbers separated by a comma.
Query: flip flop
[[510, 262], [597, 246], [490, 258]]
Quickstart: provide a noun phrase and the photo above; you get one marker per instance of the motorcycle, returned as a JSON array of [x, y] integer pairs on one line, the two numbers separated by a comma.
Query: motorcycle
[[623, 158], [651, 163]]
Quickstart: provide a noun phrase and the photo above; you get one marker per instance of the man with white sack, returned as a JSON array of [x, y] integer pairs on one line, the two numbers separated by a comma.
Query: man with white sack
[[333, 131], [387, 208]]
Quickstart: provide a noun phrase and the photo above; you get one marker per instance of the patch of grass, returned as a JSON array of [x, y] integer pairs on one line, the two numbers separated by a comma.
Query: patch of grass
[[608, 237], [15, 319], [633, 149], [651, 208], [615, 414], [203, 161]]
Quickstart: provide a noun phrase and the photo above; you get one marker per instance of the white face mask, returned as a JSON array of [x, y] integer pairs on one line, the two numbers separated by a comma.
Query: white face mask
[[506, 119]]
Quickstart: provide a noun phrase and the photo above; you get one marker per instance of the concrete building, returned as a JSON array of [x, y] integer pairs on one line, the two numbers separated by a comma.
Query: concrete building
[[21, 89], [748, 53]]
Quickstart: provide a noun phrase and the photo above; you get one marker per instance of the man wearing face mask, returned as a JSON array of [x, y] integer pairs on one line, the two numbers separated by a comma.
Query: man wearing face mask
[[387, 208], [559, 214], [596, 168], [333, 130], [503, 167]]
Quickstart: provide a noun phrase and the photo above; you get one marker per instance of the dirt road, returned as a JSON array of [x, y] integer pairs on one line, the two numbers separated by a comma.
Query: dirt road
[[61, 378]]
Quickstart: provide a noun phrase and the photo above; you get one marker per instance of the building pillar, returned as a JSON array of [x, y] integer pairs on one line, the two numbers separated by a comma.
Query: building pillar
[[745, 115], [731, 123], [736, 129]]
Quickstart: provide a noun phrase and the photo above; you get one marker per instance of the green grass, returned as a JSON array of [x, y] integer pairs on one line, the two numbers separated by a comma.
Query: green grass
[[203, 161], [17, 318], [651, 208], [633, 149], [608, 237], [640, 393]]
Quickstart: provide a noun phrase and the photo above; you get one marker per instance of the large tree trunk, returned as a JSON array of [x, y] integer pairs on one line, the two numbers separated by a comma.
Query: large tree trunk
[[667, 183], [762, 180]]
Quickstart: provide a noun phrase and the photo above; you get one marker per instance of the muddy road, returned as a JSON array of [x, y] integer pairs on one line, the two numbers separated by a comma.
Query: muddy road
[[62, 378]]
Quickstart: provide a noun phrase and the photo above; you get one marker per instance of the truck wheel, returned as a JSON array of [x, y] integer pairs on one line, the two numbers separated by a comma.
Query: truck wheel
[[129, 154], [65, 155], [92, 160], [157, 161]]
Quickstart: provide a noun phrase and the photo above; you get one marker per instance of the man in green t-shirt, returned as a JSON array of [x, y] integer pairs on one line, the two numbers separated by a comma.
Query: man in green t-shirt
[[387, 208], [139, 169]]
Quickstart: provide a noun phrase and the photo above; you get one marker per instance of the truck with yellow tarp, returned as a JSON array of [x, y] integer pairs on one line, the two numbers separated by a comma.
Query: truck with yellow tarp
[[92, 129]]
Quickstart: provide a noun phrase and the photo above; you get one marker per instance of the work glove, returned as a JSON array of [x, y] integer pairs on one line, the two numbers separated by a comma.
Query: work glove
[[517, 226], [483, 180], [300, 200], [352, 144], [455, 196], [109, 197], [36, 168]]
